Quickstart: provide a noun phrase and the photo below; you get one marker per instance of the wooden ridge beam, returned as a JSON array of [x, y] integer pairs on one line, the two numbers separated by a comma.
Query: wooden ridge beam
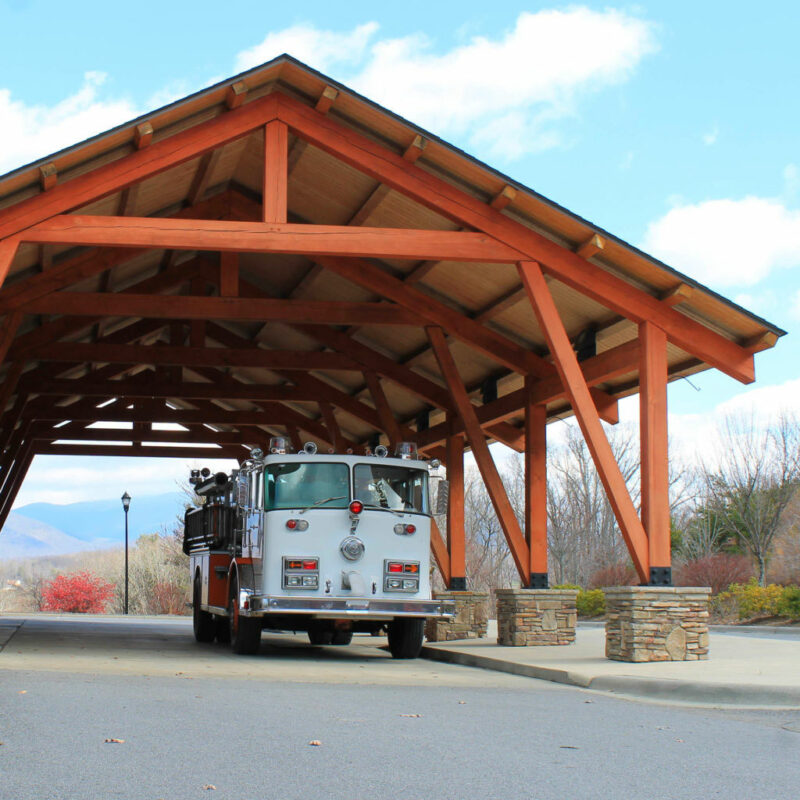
[[268, 237], [166, 355], [144, 163], [611, 291], [480, 451], [221, 308], [578, 393]]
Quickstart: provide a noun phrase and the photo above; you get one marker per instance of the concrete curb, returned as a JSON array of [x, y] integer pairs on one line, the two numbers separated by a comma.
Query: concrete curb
[[663, 689]]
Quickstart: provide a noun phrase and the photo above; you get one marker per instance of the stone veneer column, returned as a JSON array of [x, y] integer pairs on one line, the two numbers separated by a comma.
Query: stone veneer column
[[470, 622], [656, 623], [528, 617]]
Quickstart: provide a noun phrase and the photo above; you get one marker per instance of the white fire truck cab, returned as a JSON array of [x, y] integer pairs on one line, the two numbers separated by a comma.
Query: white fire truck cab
[[325, 543]]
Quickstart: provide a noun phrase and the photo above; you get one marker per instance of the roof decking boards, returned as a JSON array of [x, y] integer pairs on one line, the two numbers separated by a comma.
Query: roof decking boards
[[279, 246]]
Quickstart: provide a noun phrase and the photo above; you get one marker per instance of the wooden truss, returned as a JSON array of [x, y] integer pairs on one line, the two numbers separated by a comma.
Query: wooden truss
[[162, 350]]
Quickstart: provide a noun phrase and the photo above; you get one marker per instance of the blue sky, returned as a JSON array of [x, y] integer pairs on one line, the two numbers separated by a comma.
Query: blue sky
[[673, 125]]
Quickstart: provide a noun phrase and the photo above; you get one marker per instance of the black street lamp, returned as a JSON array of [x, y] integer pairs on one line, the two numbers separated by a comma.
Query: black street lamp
[[126, 504]]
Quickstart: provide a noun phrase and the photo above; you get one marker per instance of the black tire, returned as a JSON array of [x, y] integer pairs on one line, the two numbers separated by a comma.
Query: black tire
[[222, 630], [244, 633], [318, 634], [342, 637], [405, 637], [203, 622]]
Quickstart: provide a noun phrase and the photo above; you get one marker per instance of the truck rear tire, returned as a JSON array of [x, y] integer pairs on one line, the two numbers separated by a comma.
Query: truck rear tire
[[405, 637], [202, 621], [342, 637], [319, 633], [245, 633]]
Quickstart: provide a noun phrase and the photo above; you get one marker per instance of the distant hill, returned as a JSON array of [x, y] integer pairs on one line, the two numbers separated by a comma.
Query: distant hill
[[46, 529]]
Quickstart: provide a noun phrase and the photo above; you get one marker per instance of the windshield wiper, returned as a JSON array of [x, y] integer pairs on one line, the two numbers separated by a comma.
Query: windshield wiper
[[322, 502], [383, 508]]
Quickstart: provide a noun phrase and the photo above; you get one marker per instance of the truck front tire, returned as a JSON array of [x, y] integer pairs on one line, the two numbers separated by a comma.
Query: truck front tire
[[245, 633], [202, 621], [405, 637]]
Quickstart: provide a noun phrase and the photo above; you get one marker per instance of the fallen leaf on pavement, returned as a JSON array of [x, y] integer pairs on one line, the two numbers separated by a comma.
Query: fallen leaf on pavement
[[568, 747], [679, 740], [114, 741], [462, 702], [588, 701], [315, 743], [23, 691], [209, 786], [411, 715]]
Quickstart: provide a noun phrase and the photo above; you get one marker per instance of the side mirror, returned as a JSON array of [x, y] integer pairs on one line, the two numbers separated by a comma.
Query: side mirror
[[442, 497]]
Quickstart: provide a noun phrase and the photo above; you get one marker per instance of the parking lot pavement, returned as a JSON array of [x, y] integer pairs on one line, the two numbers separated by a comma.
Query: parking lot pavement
[[133, 709]]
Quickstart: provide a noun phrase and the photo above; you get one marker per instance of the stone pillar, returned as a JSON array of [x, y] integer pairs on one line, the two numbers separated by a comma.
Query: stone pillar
[[528, 617], [470, 621], [656, 623]]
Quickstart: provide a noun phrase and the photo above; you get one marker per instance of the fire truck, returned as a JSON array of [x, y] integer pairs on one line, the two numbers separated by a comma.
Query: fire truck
[[330, 544]]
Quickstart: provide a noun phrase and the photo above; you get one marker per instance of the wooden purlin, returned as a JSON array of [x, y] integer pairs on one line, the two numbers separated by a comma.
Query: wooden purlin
[[578, 392], [480, 451], [381, 164]]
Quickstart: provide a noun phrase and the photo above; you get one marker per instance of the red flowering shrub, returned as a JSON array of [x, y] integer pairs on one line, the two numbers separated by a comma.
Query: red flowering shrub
[[718, 571], [79, 592], [622, 574]]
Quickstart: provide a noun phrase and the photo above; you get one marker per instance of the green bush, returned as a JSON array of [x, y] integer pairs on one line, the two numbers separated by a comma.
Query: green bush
[[750, 600], [789, 604], [590, 602]]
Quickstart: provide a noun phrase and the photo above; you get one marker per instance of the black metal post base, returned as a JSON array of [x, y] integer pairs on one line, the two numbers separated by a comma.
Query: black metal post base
[[539, 581], [458, 584], [660, 576]]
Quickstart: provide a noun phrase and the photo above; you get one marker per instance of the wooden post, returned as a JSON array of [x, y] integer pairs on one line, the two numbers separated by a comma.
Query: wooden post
[[276, 171], [578, 393], [480, 450], [456, 538], [536, 487], [654, 450]]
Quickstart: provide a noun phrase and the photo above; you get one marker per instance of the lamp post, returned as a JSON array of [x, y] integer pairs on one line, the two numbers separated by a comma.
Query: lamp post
[[126, 504]]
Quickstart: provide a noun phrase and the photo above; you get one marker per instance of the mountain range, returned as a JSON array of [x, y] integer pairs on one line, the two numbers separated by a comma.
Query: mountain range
[[45, 529]]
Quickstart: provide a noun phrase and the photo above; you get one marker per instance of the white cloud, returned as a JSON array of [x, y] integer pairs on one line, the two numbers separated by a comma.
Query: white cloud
[[727, 242], [711, 137], [28, 132], [317, 48], [505, 94]]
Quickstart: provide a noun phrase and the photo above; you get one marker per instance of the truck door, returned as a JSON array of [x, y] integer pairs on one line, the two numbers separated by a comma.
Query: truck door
[[253, 540]]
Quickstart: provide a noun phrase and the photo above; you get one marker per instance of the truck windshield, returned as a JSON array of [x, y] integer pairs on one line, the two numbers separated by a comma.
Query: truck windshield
[[299, 485], [393, 488]]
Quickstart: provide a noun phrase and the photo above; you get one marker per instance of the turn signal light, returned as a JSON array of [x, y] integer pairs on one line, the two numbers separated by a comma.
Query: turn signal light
[[411, 568], [310, 563], [394, 567], [297, 524], [356, 507]]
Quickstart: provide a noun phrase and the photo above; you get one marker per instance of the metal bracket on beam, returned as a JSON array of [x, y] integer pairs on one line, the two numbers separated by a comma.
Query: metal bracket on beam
[[539, 580], [660, 576]]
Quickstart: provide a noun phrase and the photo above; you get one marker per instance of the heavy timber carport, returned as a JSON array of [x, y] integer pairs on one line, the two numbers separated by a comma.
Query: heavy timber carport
[[277, 254]]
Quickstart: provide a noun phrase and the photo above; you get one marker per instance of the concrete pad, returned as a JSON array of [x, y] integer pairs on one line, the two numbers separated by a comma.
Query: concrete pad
[[742, 671]]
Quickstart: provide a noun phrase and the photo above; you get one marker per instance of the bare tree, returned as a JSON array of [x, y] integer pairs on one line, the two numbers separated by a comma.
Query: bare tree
[[755, 479]]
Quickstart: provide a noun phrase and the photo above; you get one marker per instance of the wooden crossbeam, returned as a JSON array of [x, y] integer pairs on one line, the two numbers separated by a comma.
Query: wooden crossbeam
[[326, 99], [85, 265], [166, 355], [157, 157], [154, 388], [8, 250], [191, 453], [585, 412], [221, 308], [235, 95], [611, 291], [268, 237], [591, 247], [480, 451], [388, 421], [142, 135], [48, 176]]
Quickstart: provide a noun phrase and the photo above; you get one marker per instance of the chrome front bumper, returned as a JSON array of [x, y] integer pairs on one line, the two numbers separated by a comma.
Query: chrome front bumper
[[343, 607]]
